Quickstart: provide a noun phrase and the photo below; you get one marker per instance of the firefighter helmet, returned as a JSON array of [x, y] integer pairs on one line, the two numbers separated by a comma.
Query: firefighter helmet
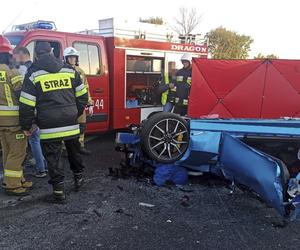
[[70, 51], [186, 57], [5, 46]]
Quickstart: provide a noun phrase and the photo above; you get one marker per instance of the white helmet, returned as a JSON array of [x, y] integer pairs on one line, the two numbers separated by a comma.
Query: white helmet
[[70, 51], [186, 57]]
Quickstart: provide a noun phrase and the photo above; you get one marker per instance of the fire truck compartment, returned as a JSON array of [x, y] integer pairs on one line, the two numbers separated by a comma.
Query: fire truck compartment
[[142, 75]]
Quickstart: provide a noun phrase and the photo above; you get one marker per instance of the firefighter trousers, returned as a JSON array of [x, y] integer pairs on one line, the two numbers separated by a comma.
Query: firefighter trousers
[[14, 144], [180, 110], [53, 151]]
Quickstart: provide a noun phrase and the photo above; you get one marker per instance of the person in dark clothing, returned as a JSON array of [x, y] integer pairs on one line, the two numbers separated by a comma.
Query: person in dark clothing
[[167, 91], [166, 87], [23, 63], [183, 85], [56, 92]]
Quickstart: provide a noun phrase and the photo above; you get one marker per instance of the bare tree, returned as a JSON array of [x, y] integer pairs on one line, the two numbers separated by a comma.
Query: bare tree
[[153, 20], [187, 21]]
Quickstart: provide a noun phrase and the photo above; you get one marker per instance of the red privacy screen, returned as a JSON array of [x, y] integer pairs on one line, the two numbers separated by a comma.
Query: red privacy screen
[[245, 88]]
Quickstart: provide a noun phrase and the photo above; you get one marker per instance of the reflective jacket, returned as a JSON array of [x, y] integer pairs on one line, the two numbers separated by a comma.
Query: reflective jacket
[[82, 118], [10, 86], [167, 94], [57, 93], [183, 85]]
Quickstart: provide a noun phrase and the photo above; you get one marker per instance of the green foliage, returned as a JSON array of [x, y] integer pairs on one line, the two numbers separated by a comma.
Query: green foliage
[[226, 44], [263, 57], [153, 20]]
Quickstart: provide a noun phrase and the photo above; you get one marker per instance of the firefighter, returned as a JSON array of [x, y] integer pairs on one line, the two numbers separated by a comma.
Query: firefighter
[[23, 62], [71, 57], [55, 91], [183, 85], [167, 90], [13, 140]]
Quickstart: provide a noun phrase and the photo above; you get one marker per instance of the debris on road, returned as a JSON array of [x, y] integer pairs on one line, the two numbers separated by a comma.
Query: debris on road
[[142, 204], [121, 211], [185, 201]]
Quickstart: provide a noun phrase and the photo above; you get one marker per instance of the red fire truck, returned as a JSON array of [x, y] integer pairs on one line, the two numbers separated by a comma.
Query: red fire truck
[[122, 65]]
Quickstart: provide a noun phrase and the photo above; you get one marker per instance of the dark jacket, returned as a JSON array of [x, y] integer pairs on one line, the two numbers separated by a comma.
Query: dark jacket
[[183, 85], [163, 86], [55, 90]]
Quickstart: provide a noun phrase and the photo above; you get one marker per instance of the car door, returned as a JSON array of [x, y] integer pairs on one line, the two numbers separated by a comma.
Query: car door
[[266, 175]]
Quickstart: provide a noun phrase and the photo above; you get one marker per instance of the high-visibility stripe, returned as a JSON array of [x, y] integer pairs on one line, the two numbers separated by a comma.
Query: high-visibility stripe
[[27, 102], [37, 73], [16, 79], [80, 87], [27, 99], [167, 79], [8, 95], [60, 129], [13, 173], [52, 133], [179, 78], [189, 80], [28, 96], [9, 113], [81, 92], [164, 96], [59, 134], [11, 108], [58, 191], [52, 76], [67, 70]]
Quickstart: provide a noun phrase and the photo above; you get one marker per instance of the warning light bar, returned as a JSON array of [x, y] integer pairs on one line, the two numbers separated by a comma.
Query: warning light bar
[[45, 25]]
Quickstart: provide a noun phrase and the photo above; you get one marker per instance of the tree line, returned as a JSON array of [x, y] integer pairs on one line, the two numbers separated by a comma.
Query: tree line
[[222, 43]]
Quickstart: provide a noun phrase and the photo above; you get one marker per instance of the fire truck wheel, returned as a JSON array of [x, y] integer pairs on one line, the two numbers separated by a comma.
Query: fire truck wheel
[[165, 137]]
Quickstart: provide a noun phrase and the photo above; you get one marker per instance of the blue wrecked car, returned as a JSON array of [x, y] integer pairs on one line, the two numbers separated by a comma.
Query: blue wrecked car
[[262, 155]]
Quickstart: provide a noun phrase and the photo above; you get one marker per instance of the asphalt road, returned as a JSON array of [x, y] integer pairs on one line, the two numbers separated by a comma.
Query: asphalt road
[[106, 214]]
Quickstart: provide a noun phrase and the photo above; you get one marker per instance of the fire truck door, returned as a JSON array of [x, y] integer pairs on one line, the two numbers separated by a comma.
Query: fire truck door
[[92, 62]]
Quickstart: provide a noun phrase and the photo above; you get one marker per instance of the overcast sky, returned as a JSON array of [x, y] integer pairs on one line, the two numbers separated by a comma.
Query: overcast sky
[[273, 24]]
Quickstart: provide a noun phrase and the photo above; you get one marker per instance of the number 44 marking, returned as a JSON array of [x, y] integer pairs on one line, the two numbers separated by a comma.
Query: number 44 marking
[[98, 103]]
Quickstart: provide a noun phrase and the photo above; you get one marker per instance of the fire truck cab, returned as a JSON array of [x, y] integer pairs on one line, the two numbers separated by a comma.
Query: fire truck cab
[[123, 65]]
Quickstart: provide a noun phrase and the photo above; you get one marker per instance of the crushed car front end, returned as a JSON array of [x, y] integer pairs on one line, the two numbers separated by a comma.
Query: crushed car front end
[[262, 155]]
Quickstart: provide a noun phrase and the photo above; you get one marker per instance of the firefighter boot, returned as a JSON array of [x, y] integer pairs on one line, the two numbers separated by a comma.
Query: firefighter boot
[[17, 191], [78, 181], [59, 193], [27, 184], [84, 151]]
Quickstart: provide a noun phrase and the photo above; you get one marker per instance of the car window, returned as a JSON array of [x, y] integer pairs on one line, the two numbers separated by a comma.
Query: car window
[[56, 47], [89, 57]]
